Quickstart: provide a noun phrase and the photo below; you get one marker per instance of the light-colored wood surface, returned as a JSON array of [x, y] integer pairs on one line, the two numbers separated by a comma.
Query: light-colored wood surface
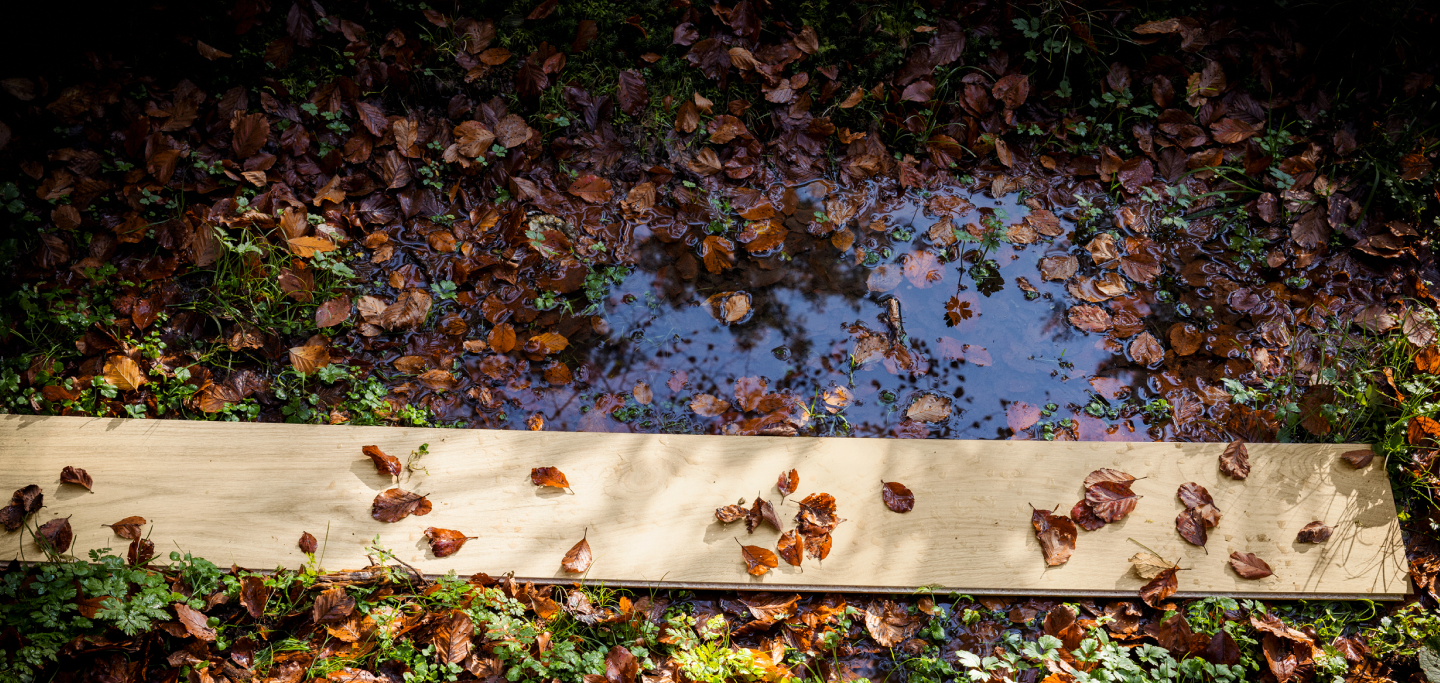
[[243, 493]]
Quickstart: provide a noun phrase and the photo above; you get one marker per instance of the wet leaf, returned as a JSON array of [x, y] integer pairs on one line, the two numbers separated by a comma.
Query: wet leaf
[[631, 92], [717, 253], [1192, 495], [1359, 459], [1090, 318], [1107, 474], [547, 343], [817, 544], [1020, 416], [333, 312], [77, 476], [254, 595], [452, 639], [1149, 565], [1111, 500], [791, 547], [758, 560], [788, 482], [1428, 360], [1084, 516], [1146, 350], [332, 605], [1422, 430], [124, 373], [55, 535], [194, 622], [817, 514], [385, 464], [897, 497], [549, 476], [889, 623], [393, 505], [1161, 587], [1248, 566], [445, 542], [1012, 90], [502, 338], [761, 511], [729, 307], [1056, 535], [309, 359], [1235, 461], [307, 543], [128, 528], [408, 312], [592, 189], [730, 513], [1314, 532], [923, 269], [709, 406], [1191, 527], [929, 408]]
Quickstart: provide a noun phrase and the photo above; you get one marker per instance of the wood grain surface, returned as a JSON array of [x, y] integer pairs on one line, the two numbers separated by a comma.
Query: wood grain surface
[[243, 493]]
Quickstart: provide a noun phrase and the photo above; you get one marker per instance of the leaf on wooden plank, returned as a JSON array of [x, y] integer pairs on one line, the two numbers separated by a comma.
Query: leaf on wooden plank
[[1111, 500], [549, 476], [445, 542], [1359, 459], [1085, 517], [757, 560], [307, 543], [897, 497], [1161, 587], [385, 464], [791, 547], [1148, 565], [77, 476], [788, 482], [128, 528], [393, 505], [817, 545], [817, 514], [761, 511], [1314, 532], [1235, 461], [332, 605], [55, 535], [1107, 474], [1248, 566], [730, 513], [1194, 496], [578, 559], [1056, 535], [194, 622], [1191, 527]]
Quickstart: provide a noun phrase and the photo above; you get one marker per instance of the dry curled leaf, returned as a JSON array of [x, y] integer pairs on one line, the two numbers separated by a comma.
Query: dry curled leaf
[[385, 464], [1314, 532], [332, 605], [128, 528], [1056, 535], [578, 559], [730, 513], [757, 560], [1248, 566], [55, 535], [1358, 458], [897, 497], [445, 542], [761, 511], [788, 482], [393, 505], [1235, 461], [307, 543], [77, 476], [791, 547], [1148, 565], [194, 622], [549, 476]]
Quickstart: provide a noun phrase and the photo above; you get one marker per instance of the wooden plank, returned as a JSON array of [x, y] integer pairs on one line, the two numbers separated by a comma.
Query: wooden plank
[[243, 493]]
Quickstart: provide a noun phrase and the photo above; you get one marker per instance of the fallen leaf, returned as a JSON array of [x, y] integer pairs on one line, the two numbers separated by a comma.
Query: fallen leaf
[[730, 513], [642, 393], [452, 639], [128, 528], [1148, 565], [1358, 458], [1146, 350], [547, 343], [307, 543], [55, 535], [77, 476], [1248, 566], [1235, 461], [1106, 474], [1193, 495], [393, 505], [817, 514], [549, 476], [757, 560], [788, 482], [729, 307], [817, 545], [1056, 535], [194, 622], [124, 373], [761, 511], [791, 547], [332, 605], [923, 269], [889, 623], [1084, 516], [1161, 587], [1058, 267], [1191, 527], [385, 464], [1111, 500], [309, 359], [445, 542], [1314, 532], [929, 408], [1090, 318], [709, 406], [592, 189], [897, 497], [1428, 360], [254, 595], [333, 312]]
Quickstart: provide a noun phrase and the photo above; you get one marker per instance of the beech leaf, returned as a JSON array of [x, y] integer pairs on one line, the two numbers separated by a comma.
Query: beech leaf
[[77, 476], [393, 505], [789, 481], [791, 547], [761, 511], [1314, 532], [1235, 461], [194, 622], [1056, 535], [128, 528], [1248, 566], [1161, 587], [578, 559], [757, 560], [445, 542], [897, 497], [385, 464], [1148, 565], [549, 476], [307, 543]]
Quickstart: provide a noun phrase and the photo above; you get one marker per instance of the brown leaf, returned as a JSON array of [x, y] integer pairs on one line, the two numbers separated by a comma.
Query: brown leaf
[[546, 344], [332, 605], [1314, 532], [194, 622], [729, 307], [592, 189], [309, 359], [1191, 527], [1161, 587], [1146, 350], [1012, 90], [1235, 461], [1111, 500], [789, 481], [254, 595], [127, 528], [124, 373], [1090, 318], [452, 639], [502, 338], [761, 511], [549, 476], [1248, 566], [1056, 535], [55, 535], [77, 476], [708, 406], [717, 253], [730, 513], [393, 505], [929, 408], [307, 543], [817, 545], [1148, 565], [791, 547], [385, 464], [1428, 360], [890, 623], [923, 269], [445, 542], [1358, 458], [631, 94], [1058, 267], [1084, 516], [1107, 474], [897, 497], [757, 560], [817, 514], [1193, 495], [333, 312]]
